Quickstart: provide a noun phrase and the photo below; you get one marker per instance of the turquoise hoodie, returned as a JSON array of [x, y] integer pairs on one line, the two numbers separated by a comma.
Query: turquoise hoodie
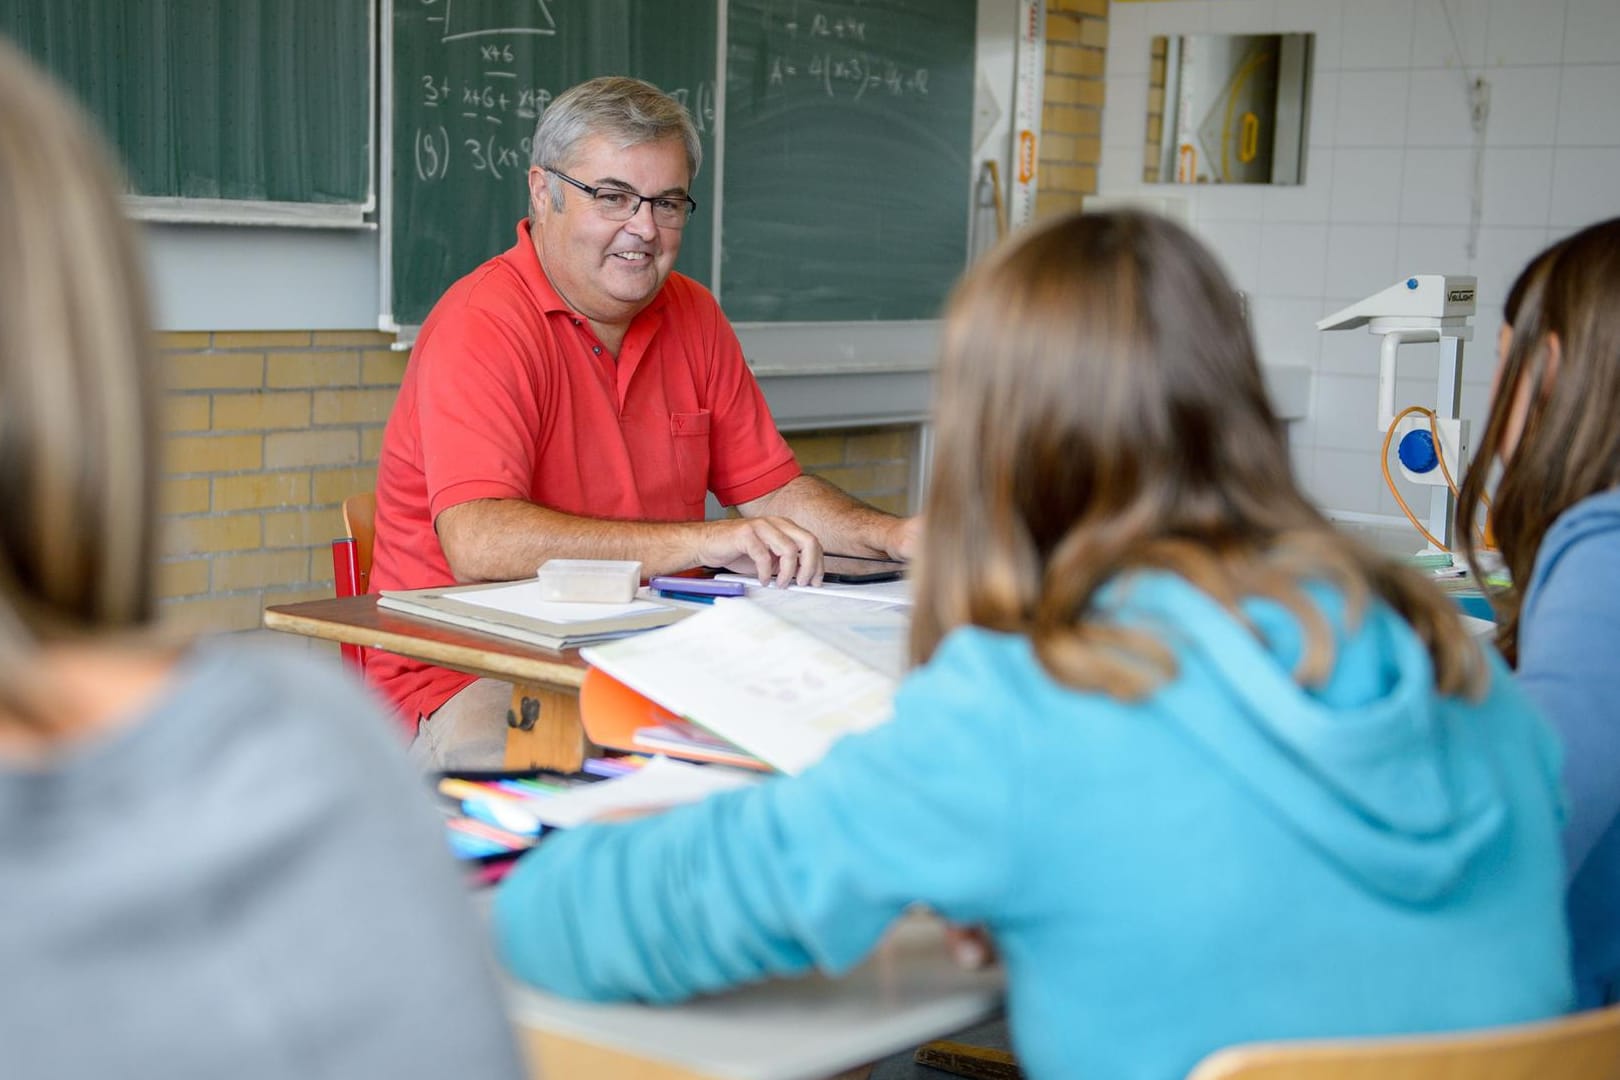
[[1234, 858]]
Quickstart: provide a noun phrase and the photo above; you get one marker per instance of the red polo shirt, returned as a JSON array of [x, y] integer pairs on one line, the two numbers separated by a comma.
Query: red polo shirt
[[509, 395]]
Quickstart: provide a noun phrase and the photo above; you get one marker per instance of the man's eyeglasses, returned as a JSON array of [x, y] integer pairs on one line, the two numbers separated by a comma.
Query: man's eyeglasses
[[617, 204]]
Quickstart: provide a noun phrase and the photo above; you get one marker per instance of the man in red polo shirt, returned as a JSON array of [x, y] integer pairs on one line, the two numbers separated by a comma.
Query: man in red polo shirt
[[573, 398]]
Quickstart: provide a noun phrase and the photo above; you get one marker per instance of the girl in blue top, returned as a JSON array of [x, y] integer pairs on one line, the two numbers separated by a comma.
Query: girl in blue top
[[1205, 770], [1553, 424]]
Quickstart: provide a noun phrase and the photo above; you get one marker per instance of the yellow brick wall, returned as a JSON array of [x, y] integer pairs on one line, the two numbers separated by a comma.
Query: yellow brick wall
[[1071, 113], [268, 432], [874, 464], [1157, 71]]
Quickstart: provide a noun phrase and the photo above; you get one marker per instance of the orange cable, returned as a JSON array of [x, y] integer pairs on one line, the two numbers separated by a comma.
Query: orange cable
[[1383, 463]]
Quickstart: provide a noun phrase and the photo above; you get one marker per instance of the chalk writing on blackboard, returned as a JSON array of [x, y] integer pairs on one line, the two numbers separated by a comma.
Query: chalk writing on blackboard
[[490, 117], [478, 18], [833, 52]]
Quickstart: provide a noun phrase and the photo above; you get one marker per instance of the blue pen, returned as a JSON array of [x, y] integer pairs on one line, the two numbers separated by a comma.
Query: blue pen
[[689, 597]]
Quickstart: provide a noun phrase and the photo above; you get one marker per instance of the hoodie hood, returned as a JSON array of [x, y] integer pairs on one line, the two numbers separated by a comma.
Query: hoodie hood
[[1371, 768]]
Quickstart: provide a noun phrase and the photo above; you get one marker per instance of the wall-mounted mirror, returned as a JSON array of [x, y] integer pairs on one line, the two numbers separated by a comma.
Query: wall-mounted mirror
[[1228, 109]]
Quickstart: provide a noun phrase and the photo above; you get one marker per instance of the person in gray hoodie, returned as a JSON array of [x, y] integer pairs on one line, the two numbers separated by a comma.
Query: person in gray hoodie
[[212, 861]]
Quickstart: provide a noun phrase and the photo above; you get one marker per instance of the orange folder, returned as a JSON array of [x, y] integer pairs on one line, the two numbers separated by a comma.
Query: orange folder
[[612, 713]]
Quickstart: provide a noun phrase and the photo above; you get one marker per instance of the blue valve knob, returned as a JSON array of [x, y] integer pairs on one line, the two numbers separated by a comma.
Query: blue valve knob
[[1416, 451]]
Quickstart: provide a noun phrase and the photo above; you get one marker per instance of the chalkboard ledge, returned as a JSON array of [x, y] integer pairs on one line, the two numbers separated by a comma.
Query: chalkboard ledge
[[854, 348], [810, 402], [180, 211]]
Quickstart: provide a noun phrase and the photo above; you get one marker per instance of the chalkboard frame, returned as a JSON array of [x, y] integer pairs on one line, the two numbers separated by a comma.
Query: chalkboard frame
[[360, 215], [775, 350], [283, 214]]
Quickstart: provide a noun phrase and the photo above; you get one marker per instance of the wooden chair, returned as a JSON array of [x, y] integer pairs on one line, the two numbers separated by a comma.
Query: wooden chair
[[351, 559], [1585, 1046]]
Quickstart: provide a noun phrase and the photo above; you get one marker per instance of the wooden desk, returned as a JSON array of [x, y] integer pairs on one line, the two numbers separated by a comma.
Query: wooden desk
[[543, 725], [907, 992]]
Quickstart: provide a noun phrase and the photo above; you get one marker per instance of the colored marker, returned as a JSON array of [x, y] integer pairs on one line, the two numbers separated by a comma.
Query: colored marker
[[695, 587]]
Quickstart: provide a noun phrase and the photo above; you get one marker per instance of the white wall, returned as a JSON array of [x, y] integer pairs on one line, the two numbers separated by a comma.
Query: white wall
[[1387, 187]]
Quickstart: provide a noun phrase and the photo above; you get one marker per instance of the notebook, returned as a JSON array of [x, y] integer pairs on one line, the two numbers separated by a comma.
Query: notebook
[[515, 609]]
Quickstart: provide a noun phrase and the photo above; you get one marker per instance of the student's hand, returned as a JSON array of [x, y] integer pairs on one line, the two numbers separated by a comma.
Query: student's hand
[[971, 947], [770, 548]]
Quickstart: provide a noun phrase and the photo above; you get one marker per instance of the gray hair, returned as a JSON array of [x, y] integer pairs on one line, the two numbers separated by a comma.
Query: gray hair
[[628, 111]]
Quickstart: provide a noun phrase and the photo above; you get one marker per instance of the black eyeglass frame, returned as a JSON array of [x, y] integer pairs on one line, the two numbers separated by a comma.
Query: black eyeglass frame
[[596, 198]]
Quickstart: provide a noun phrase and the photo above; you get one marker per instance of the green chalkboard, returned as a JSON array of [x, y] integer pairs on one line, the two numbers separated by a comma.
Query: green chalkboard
[[265, 100], [848, 139], [469, 79]]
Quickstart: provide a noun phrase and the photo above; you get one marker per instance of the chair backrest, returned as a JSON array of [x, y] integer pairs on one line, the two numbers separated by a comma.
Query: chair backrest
[[1585, 1046], [351, 558]]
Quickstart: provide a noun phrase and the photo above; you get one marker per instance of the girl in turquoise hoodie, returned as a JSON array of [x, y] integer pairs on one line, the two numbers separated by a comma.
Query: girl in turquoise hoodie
[[1206, 771]]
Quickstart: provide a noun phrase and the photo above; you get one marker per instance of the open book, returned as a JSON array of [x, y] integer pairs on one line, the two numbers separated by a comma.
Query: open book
[[514, 609], [767, 681]]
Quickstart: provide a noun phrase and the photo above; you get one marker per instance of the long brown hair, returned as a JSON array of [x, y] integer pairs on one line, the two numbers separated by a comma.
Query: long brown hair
[[78, 387], [1099, 408], [1569, 447]]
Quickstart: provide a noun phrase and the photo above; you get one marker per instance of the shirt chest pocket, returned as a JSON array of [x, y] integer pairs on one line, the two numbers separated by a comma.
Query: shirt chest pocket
[[689, 436]]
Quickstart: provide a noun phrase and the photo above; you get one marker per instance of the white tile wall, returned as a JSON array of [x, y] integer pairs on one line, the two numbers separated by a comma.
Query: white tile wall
[[1437, 108], [1589, 104], [1449, 34], [1377, 34], [1372, 108], [1524, 106], [1585, 185], [1522, 32], [1591, 32], [1360, 261], [1389, 185], [1518, 186], [1365, 184], [1435, 186]]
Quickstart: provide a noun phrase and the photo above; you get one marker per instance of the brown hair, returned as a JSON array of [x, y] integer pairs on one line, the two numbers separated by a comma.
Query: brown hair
[[1099, 409], [78, 386], [1569, 447]]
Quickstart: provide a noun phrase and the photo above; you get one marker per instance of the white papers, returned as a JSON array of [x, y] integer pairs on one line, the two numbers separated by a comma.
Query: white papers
[[872, 632], [657, 785], [881, 592], [523, 598], [754, 679]]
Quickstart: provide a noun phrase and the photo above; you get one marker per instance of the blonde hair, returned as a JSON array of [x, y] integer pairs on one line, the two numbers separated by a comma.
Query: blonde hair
[[78, 387], [1100, 409]]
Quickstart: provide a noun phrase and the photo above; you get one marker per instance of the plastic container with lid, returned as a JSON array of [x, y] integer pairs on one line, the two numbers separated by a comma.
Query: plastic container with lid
[[600, 581]]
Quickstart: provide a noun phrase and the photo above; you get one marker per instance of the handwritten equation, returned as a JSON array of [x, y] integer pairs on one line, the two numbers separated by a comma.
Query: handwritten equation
[[832, 52], [485, 124]]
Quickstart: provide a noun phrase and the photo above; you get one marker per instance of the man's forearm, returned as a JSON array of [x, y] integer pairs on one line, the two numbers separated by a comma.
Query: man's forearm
[[843, 524], [508, 539]]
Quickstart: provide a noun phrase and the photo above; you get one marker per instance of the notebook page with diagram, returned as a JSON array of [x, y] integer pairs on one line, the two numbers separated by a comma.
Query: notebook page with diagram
[[767, 686]]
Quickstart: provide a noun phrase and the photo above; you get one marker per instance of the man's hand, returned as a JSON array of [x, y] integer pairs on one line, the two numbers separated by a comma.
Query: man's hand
[[767, 547], [903, 538]]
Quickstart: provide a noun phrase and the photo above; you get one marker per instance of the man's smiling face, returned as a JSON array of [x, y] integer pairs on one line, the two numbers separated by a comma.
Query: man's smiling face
[[609, 271]]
